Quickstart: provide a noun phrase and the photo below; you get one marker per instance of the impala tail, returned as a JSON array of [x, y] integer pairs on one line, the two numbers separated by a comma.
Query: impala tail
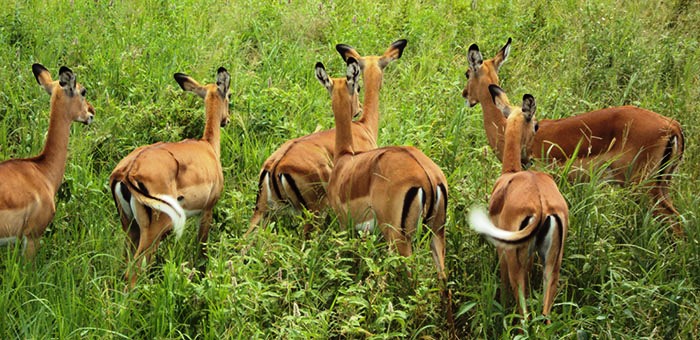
[[126, 191], [481, 223]]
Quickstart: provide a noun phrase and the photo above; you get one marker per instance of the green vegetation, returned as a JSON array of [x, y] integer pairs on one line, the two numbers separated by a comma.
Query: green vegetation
[[623, 274]]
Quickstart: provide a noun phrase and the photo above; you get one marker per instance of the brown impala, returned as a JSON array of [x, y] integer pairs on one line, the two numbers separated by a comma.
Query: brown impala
[[157, 186], [526, 210], [300, 169], [28, 186], [636, 144]]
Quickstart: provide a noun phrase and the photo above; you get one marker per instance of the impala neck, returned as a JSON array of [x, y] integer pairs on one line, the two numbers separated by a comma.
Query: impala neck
[[212, 127], [370, 108], [494, 122], [52, 160], [342, 112], [512, 152]]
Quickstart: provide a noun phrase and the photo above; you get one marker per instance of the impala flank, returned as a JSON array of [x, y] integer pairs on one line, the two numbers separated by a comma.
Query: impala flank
[[637, 145], [526, 210], [28, 186], [297, 173], [157, 186]]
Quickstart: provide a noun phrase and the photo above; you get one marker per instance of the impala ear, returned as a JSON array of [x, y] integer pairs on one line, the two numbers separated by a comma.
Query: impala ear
[[43, 77], [189, 84], [502, 55], [353, 72], [347, 51], [500, 99], [392, 53], [529, 107], [322, 76], [66, 79], [223, 81], [474, 57], [396, 49]]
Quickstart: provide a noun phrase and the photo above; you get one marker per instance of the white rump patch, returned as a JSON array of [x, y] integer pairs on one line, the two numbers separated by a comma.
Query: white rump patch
[[547, 242], [174, 211], [268, 190], [285, 186], [438, 197], [126, 206]]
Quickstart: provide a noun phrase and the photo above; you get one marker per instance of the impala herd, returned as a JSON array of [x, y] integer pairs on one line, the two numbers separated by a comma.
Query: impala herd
[[394, 189]]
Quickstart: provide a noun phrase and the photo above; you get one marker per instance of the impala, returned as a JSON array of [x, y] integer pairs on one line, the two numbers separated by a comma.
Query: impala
[[393, 188], [157, 186], [298, 171], [28, 186], [635, 144], [526, 210]]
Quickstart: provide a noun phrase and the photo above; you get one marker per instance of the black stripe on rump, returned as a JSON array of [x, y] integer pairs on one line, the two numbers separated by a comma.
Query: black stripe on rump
[[260, 186], [297, 193], [543, 230], [408, 199], [665, 165]]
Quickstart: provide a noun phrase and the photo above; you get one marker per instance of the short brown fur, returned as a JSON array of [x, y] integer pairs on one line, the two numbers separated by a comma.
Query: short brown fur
[[618, 136], [521, 204], [28, 186], [309, 161], [184, 177]]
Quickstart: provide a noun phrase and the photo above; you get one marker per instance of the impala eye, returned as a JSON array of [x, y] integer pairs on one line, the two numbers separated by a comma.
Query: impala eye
[[537, 126], [83, 92], [466, 74]]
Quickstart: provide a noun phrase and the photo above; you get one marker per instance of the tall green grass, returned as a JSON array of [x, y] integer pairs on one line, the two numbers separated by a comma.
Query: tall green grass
[[623, 275]]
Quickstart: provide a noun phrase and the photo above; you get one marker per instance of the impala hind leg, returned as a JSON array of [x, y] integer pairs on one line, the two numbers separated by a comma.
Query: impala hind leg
[[203, 237], [551, 253], [517, 276], [133, 234], [436, 222], [30, 246], [153, 227], [664, 207]]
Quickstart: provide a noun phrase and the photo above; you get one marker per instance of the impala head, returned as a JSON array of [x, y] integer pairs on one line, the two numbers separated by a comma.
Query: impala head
[[216, 95], [482, 73], [518, 116], [377, 63], [343, 90], [66, 93]]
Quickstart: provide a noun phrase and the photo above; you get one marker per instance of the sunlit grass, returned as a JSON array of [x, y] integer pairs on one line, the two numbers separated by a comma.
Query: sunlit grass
[[623, 276]]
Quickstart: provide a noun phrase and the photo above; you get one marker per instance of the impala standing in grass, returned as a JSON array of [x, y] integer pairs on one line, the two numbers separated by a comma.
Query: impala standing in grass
[[526, 210], [157, 186], [636, 145], [299, 170], [28, 186]]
